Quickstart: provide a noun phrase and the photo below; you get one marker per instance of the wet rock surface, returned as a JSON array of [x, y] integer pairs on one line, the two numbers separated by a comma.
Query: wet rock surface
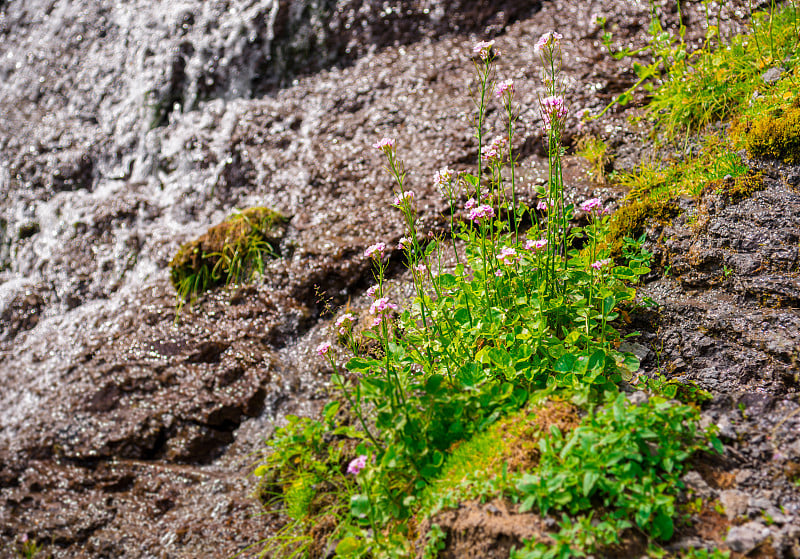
[[728, 320], [130, 129]]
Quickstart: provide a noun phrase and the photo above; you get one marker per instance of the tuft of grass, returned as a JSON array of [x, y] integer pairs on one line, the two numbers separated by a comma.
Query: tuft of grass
[[596, 152], [232, 251], [708, 85]]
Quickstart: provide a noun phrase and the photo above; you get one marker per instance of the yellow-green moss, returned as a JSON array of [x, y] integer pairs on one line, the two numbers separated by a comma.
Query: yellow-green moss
[[736, 188], [631, 218], [231, 251], [775, 135]]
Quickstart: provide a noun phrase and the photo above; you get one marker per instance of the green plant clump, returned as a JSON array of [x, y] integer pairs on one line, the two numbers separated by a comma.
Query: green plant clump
[[775, 135], [233, 251], [518, 319]]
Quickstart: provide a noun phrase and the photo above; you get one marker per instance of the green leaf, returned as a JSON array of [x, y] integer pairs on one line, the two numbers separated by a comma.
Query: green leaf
[[608, 304], [347, 546], [565, 363], [330, 410], [471, 179], [589, 479], [361, 365], [664, 528], [359, 506], [433, 384]]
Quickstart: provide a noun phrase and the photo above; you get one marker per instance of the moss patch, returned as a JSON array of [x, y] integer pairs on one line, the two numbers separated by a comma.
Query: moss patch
[[736, 188], [232, 251], [775, 135], [631, 218]]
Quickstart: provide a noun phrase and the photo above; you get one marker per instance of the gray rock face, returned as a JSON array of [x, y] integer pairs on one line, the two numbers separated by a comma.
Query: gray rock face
[[745, 538], [735, 503]]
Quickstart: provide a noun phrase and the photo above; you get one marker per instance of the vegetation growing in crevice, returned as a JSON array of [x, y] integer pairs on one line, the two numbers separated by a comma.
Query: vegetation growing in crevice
[[463, 377], [774, 135], [230, 252], [453, 405]]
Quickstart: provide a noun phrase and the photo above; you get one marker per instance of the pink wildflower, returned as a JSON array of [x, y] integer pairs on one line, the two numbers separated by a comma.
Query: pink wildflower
[[372, 291], [375, 251], [542, 205], [344, 322], [507, 256], [481, 212], [420, 268], [483, 48], [404, 243], [495, 149], [384, 144], [601, 263], [498, 273], [470, 204], [443, 177], [377, 320], [503, 87], [381, 305], [553, 111], [323, 348], [535, 245], [406, 196], [357, 464], [590, 205], [551, 39]]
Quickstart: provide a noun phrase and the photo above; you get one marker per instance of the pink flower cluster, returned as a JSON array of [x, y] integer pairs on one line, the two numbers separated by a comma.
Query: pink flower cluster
[[406, 196], [553, 111], [535, 245], [372, 291], [379, 308], [503, 87], [481, 212], [591, 204], [385, 145], [375, 251], [443, 177], [345, 322], [405, 243], [542, 205], [483, 49], [601, 263], [357, 464], [324, 348], [508, 256], [495, 150], [549, 40]]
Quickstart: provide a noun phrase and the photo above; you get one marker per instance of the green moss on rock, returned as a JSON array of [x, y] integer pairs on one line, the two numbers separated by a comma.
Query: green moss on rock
[[631, 218], [736, 188], [232, 251], [775, 135]]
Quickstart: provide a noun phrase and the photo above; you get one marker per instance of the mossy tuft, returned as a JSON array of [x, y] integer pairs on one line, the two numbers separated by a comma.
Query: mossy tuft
[[631, 218], [232, 251], [736, 188], [775, 135]]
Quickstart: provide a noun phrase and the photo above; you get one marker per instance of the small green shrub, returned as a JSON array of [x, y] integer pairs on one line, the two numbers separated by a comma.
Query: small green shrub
[[233, 251]]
